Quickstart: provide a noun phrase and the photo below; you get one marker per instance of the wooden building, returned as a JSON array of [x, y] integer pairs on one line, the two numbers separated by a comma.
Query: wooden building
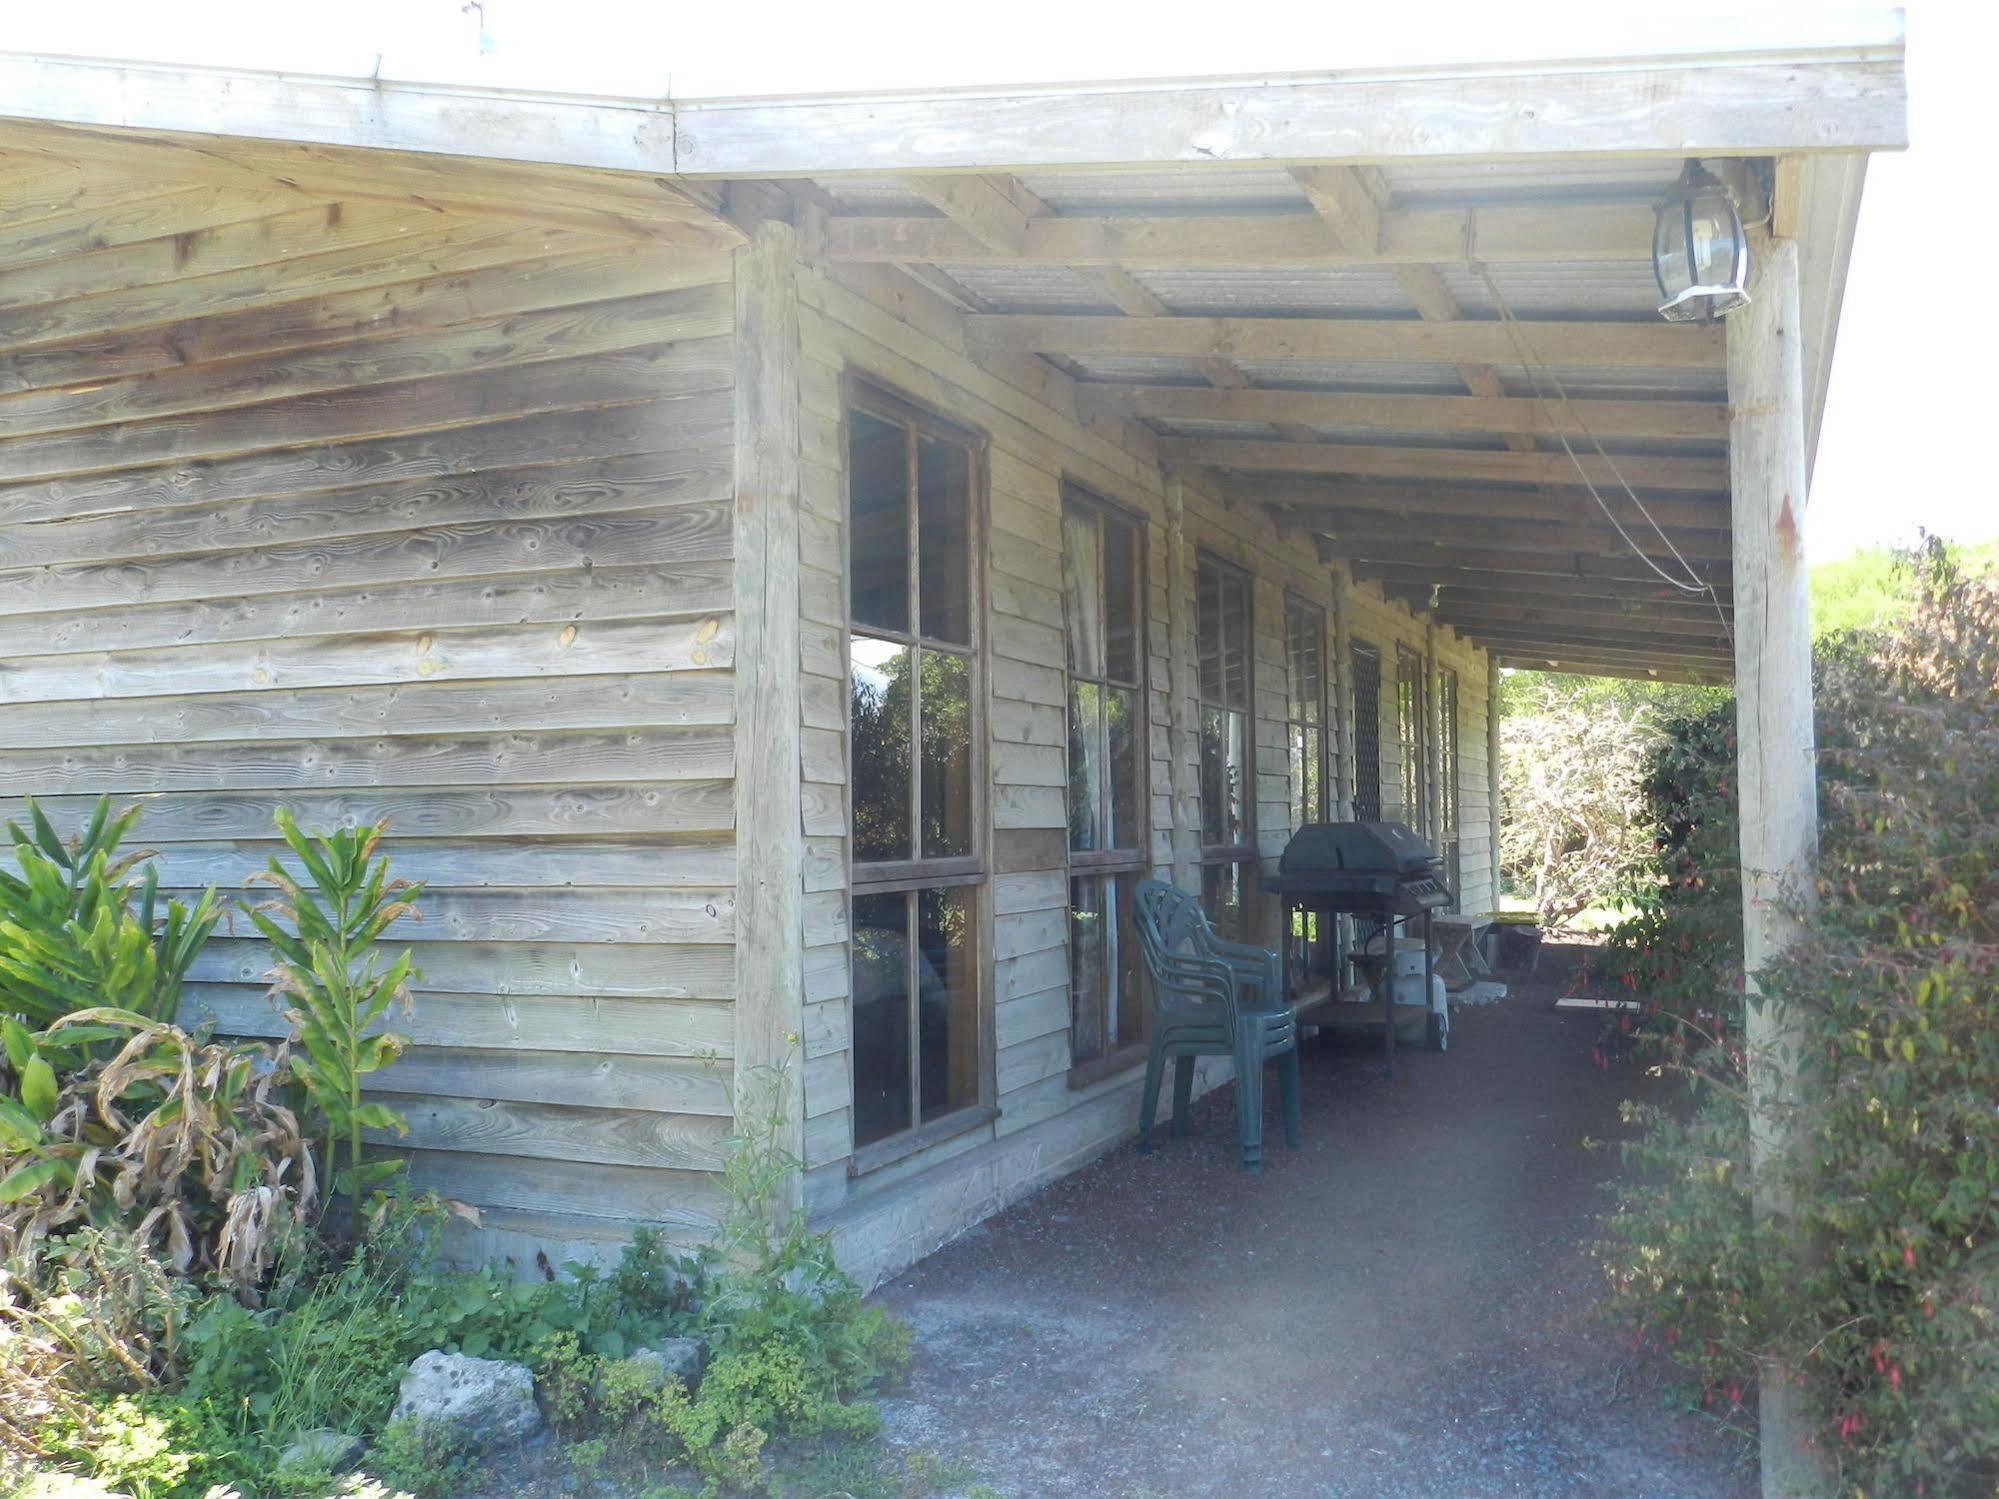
[[786, 567]]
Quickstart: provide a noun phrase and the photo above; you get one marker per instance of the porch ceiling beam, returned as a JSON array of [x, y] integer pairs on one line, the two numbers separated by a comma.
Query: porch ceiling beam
[[1642, 655], [1691, 420], [1366, 547], [1609, 345], [1574, 599], [1473, 618], [1352, 529], [1472, 502], [1605, 232], [1564, 662], [1699, 475], [1604, 642]]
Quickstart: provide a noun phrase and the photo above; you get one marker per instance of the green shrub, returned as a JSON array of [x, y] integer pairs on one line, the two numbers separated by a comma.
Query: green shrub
[[325, 935], [1879, 1290], [79, 929]]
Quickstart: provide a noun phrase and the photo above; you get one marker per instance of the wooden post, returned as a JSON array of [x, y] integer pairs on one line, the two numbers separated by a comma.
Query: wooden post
[[1186, 763], [1778, 767], [770, 836], [1492, 768]]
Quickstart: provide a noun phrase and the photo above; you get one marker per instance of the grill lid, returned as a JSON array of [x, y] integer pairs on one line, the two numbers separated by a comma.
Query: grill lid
[[1361, 847]]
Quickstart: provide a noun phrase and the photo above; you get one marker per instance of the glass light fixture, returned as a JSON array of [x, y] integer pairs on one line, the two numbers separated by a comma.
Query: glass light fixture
[[1699, 252]]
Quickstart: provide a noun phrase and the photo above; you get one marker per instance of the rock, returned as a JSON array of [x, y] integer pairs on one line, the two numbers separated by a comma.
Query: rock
[[321, 1452], [678, 1357], [478, 1402]]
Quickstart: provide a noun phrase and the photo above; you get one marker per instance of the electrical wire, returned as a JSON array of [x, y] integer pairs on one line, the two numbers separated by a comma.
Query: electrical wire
[[1692, 582]]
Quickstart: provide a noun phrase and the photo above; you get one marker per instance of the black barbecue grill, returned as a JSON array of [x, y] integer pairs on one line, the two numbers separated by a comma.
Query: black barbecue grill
[[1380, 870]]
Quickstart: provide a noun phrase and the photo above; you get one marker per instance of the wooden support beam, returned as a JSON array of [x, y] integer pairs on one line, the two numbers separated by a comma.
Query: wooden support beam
[[1475, 618], [1574, 666], [1350, 201], [1553, 539], [770, 843], [1694, 608], [1506, 580], [1605, 233], [1703, 421], [981, 206], [1476, 502], [1633, 651], [1698, 475], [1777, 760], [1367, 549], [1607, 345]]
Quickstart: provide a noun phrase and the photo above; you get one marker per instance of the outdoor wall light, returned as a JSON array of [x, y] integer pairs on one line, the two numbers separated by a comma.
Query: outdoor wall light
[[1699, 252]]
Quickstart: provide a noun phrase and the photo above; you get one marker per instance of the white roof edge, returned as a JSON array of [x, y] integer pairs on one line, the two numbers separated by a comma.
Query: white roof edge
[[1786, 84]]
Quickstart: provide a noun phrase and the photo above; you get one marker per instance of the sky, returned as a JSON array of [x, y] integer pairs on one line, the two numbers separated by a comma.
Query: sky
[[1909, 362]]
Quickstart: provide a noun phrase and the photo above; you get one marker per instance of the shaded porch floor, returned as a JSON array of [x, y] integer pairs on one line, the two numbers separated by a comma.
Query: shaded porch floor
[[1400, 1308]]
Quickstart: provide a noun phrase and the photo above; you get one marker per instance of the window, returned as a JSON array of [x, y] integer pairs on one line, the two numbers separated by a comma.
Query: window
[[1366, 671], [1305, 712], [1447, 798], [1103, 609], [1412, 721], [1310, 945], [915, 730], [1222, 651]]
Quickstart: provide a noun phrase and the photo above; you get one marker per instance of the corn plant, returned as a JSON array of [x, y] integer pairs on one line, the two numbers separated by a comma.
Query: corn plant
[[327, 982], [81, 928]]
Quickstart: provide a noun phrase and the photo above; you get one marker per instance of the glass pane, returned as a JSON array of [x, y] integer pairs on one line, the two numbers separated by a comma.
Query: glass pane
[[878, 692], [1121, 962], [1311, 805], [878, 521], [1086, 765], [947, 754], [1305, 629], [1088, 972], [1082, 593], [948, 996], [882, 1104], [1222, 768], [943, 539], [1121, 636], [1221, 898], [1208, 631], [1235, 659], [1121, 711]]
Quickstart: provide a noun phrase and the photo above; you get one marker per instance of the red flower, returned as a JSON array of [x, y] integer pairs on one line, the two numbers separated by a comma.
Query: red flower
[[1909, 1255]]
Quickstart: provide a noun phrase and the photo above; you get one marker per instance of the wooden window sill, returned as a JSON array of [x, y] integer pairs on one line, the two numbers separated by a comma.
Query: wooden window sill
[[1110, 1064], [900, 1147]]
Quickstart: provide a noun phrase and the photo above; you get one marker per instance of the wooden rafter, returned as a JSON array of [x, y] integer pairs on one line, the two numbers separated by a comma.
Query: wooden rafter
[[1616, 345], [1700, 475], [1361, 530], [1469, 502], [1690, 420]]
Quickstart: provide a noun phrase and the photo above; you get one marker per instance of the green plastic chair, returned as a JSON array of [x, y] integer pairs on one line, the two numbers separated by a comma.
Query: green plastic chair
[[1212, 998]]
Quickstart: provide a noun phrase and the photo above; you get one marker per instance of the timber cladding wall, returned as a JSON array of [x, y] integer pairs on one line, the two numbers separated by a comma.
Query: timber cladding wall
[[374, 511], [1049, 1119]]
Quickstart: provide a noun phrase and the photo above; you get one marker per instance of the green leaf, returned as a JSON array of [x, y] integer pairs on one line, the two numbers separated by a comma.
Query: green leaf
[[19, 1130], [33, 1176], [38, 1089]]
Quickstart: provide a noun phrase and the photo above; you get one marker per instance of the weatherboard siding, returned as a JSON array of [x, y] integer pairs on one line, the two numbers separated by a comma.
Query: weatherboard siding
[[375, 512]]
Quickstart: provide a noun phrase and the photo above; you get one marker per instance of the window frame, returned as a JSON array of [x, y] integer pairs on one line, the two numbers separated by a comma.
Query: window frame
[[1315, 618], [1450, 831], [1412, 737], [1244, 855], [1110, 867], [911, 876]]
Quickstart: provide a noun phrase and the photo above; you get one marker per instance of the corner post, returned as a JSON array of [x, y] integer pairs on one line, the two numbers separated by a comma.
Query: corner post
[[1777, 759], [770, 827], [1343, 750]]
